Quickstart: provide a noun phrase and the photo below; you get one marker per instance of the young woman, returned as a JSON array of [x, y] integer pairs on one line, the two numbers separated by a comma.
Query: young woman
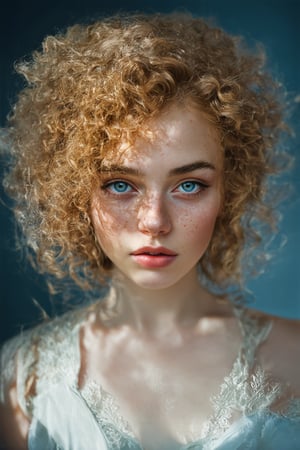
[[141, 153]]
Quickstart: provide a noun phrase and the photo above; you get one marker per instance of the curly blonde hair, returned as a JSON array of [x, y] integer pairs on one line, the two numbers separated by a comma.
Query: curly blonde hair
[[87, 86]]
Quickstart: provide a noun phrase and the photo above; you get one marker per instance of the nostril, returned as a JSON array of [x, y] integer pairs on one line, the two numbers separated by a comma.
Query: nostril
[[153, 217], [154, 225]]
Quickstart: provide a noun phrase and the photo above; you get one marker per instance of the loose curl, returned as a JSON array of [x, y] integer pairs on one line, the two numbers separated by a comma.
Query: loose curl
[[87, 86]]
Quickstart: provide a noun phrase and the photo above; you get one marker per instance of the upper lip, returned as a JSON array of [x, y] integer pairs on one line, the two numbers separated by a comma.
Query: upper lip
[[154, 251]]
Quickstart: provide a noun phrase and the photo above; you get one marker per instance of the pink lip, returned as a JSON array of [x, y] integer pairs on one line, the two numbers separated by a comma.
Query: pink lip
[[153, 257], [154, 250]]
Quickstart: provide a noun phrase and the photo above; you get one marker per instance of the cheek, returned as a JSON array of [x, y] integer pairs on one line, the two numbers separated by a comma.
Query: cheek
[[109, 220], [198, 222]]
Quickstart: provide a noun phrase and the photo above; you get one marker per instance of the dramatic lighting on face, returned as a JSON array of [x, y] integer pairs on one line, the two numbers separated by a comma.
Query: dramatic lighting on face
[[154, 211]]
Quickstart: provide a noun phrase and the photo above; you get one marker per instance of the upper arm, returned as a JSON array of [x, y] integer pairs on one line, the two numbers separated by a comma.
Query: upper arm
[[14, 423]]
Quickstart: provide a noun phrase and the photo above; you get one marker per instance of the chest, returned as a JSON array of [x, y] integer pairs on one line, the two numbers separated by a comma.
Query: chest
[[163, 391], [138, 394]]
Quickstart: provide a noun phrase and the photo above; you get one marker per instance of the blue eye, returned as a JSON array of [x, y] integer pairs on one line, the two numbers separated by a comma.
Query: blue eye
[[190, 187], [118, 187]]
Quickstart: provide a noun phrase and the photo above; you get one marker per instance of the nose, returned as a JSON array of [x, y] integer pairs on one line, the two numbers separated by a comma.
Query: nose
[[153, 217]]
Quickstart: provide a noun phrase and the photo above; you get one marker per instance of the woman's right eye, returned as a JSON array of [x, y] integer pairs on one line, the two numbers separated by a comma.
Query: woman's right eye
[[117, 187]]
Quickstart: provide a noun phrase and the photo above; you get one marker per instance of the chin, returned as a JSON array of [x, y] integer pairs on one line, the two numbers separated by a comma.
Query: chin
[[155, 281]]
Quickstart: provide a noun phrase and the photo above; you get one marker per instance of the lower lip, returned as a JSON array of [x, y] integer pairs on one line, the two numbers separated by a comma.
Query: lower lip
[[153, 261]]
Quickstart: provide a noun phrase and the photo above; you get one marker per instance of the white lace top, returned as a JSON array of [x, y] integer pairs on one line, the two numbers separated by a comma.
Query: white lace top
[[66, 418]]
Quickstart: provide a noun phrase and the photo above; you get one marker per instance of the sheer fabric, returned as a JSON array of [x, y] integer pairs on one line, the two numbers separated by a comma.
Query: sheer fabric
[[66, 418]]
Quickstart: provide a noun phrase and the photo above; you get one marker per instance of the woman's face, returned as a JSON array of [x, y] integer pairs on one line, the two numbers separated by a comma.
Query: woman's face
[[155, 209]]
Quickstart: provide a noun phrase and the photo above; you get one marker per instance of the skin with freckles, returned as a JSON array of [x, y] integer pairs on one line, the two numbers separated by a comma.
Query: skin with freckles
[[164, 192]]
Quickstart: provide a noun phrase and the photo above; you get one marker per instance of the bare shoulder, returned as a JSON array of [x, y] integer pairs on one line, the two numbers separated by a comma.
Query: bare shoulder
[[280, 354], [285, 332]]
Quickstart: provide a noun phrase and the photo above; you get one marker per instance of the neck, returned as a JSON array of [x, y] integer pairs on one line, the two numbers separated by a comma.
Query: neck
[[160, 311]]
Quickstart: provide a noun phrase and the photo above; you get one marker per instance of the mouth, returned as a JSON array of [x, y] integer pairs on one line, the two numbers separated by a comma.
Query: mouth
[[153, 257], [154, 251]]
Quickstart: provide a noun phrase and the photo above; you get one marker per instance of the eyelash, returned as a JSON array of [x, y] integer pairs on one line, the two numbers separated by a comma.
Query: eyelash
[[110, 184], [200, 186], [109, 187]]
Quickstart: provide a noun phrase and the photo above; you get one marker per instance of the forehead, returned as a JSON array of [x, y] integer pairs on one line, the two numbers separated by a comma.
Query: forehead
[[179, 132]]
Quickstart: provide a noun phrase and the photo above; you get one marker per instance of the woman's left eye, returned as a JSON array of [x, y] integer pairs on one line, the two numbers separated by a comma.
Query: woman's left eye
[[191, 187]]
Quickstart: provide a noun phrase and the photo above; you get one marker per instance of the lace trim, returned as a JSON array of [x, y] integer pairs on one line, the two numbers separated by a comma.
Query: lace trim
[[242, 394], [245, 390], [41, 357], [107, 413], [59, 352]]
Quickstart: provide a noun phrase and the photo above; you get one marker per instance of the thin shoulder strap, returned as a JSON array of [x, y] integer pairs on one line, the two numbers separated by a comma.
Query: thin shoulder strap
[[246, 389], [255, 330]]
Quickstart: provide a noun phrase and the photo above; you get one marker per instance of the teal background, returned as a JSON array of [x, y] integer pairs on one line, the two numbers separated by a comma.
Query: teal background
[[274, 23]]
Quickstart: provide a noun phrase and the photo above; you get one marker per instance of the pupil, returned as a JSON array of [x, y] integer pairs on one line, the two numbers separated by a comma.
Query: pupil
[[188, 186], [121, 186]]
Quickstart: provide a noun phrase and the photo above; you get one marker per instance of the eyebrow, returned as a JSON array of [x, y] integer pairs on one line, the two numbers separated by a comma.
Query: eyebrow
[[191, 167], [115, 168]]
